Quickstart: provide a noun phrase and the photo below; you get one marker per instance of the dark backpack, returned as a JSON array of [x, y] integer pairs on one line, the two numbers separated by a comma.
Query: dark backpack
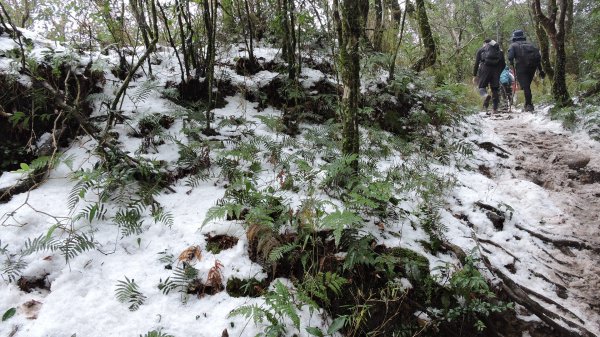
[[528, 55], [491, 55]]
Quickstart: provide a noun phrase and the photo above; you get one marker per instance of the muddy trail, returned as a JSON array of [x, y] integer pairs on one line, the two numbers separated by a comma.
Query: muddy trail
[[556, 259]]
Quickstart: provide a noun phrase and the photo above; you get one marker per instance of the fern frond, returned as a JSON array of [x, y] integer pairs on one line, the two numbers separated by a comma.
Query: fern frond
[[40, 243], [221, 212], [156, 333], [128, 292], [279, 252], [143, 91], [76, 244], [129, 221], [164, 217], [12, 268]]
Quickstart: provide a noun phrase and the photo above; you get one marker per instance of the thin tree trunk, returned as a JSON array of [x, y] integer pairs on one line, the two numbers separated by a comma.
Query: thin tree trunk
[[186, 55], [210, 22], [140, 62], [172, 41], [429, 58], [393, 62]]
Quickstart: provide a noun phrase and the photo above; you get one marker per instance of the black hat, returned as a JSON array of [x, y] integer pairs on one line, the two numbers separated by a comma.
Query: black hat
[[518, 35], [487, 40]]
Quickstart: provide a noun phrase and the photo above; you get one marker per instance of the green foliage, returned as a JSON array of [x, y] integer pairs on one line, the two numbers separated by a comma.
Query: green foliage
[[182, 281], [70, 246], [338, 221], [322, 286], [8, 314], [128, 292], [143, 91], [156, 333], [469, 294], [279, 305]]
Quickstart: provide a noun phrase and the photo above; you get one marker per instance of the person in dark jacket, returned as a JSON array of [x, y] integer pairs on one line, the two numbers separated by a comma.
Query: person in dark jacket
[[525, 59], [489, 62], [476, 68]]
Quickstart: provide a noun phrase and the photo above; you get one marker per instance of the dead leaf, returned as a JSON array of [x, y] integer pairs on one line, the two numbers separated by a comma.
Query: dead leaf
[[190, 254]]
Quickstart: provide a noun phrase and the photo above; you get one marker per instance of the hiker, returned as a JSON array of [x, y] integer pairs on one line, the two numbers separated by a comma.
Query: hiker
[[489, 62], [488, 97], [506, 82], [525, 58]]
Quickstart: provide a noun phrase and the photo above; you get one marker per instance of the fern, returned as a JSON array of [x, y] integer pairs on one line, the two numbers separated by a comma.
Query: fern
[[222, 212], [279, 252], [143, 91], [91, 212], [156, 333], [40, 243], [279, 304], [128, 292], [319, 285], [161, 216], [338, 221], [12, 267], [182, 278], [129, 221], [76, 244]]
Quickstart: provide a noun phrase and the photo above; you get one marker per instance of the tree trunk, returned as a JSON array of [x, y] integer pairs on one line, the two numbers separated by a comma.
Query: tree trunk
[[186, 55], [392, 71], [544, 48], [378, 28], [349, 27], [288, 38], [556, 31], [171, 40], [430, 55], [210, 24]]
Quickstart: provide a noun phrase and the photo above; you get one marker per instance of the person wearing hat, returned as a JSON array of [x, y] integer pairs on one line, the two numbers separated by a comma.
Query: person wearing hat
[[489, 62], [525, 58]]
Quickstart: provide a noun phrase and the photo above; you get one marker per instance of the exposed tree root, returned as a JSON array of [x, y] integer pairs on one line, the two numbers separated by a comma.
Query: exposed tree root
[[560, 242], [521, 295]]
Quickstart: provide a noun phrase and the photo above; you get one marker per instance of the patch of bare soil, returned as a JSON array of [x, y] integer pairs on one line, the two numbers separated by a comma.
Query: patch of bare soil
[[566, 246]]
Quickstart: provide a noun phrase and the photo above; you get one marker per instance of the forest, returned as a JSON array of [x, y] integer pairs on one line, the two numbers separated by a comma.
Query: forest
[[174, 168]]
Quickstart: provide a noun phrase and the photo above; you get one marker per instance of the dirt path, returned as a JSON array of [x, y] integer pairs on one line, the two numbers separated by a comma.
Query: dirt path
[[561, 252]]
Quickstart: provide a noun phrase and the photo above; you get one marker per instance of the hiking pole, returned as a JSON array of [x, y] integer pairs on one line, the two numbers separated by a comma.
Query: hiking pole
[[515, 83]]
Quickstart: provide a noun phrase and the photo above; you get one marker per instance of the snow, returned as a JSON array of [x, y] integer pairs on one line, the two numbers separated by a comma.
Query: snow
[[85, 287]]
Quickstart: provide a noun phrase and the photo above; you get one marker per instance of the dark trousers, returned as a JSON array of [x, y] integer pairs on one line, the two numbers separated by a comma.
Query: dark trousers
[[507, 92], [525, 76], [490, 76]]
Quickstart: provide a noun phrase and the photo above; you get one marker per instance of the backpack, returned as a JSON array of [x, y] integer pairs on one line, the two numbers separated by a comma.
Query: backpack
[[491, 55], [528, 55], [506, 77]]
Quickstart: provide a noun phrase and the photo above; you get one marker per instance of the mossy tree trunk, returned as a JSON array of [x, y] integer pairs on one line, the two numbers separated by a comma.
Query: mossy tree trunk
[[429, 58], [378, 27], [544, 48], [349, 24], [554, 25]]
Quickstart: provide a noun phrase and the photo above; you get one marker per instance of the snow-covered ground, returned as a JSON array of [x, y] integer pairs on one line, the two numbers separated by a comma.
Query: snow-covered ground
[[81, 297]]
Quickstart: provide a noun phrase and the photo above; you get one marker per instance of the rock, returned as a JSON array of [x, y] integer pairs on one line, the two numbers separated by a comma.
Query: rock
[[496, 219], [496, 216], [576, 161]]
